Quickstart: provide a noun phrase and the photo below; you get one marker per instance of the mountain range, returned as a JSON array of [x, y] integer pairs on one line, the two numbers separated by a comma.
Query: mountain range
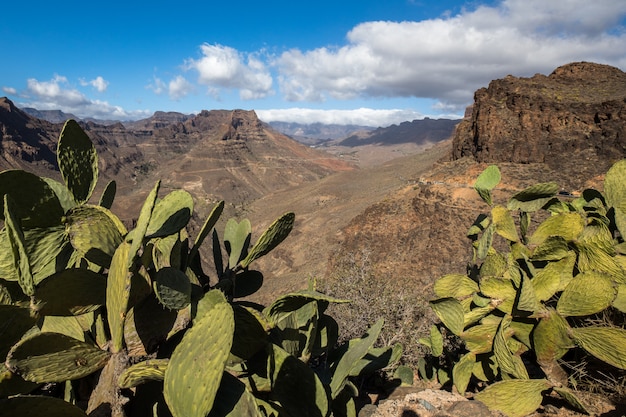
[[406, 215]]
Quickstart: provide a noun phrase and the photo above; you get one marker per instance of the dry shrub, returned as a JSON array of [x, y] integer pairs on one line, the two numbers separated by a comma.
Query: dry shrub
[[405, 310]]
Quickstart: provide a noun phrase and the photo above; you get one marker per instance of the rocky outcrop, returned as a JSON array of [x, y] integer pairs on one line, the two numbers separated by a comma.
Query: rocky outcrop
[[572, 120]]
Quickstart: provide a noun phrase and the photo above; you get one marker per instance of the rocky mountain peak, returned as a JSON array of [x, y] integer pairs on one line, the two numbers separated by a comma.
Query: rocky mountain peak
[[577, 113]]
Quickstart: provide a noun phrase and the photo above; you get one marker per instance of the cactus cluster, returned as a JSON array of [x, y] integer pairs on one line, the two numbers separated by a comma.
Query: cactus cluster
[[523, 306], [97, 317]]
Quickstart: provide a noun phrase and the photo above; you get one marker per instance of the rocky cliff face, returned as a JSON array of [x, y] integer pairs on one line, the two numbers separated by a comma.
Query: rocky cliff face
[[573, 119]]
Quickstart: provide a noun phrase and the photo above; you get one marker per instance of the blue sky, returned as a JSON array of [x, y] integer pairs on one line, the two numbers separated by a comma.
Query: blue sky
[[363, 62]]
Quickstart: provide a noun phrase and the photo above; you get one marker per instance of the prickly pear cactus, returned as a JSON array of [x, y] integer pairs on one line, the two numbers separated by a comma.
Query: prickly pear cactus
[[540, 299]]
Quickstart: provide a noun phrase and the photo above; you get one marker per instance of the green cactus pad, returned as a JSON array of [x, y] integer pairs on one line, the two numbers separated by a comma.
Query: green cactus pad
[[206, 303], [615, 186], [405, 375], [170, 214], [208, 225], [606, 344], [66, 199], [620, 299], [504, 223], [67, 325], [272, 237], [250, 334], [108, 195], [547, 280], [37, 203], [569, 396], [197, 365], [137, 235], [377, 359], [247, 283], [13, 384], [54, 357], [553, 248], [508, 362], [567, 225], [592, 257], [95, 233], [500, 289], [455, 285], [148, 324], [486, 182], [450, 312], [296, 387], [48, 251], [515, 398], [352, 356], [172, 288], [235, 400], [462, 372], [327, 335], [71, 292], [551, 337], [15, 322], [237, 239], [485, 241], [78, 161], [287, 303], [527, 297], [434, 341], [142, 372], [534, 197], [588, 293], [17, 244], [37, 406], [117, 294], [494, 265], [479, 338], [296, 331]]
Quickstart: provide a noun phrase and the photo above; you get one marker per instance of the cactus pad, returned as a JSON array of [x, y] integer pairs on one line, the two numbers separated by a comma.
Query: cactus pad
[[71, 292], [196, 367], [172, 288], [78, 161], [54, 357]]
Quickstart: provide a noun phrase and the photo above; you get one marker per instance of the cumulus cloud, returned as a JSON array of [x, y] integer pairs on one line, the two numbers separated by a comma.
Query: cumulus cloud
[[447, 59], [57, 94], [224, 67], [361, 116], [179, 87], [9, 90], [99, 83]]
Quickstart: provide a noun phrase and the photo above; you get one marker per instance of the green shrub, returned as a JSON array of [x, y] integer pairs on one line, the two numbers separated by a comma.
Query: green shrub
[[519, 311], [100, 319]]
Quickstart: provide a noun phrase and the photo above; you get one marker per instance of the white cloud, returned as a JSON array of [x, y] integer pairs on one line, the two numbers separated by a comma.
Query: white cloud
[[224, 67], [447, 59], [99, 83], [361, 116], [157, 86], [57, 94], [9, 90], [179, 87]]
